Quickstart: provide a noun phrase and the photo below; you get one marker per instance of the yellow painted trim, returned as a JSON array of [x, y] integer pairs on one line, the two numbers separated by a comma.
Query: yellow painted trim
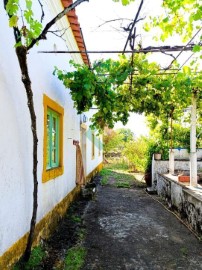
[[43, 230], [52, 173]]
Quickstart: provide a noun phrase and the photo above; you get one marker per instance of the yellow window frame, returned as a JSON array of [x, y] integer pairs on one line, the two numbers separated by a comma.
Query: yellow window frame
[[52, 173]]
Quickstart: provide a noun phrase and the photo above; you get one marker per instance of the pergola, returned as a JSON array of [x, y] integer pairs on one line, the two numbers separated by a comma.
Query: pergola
[[157, 49]]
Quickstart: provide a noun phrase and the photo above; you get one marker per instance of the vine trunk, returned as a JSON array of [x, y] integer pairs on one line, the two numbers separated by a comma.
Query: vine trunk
[[22, 59]]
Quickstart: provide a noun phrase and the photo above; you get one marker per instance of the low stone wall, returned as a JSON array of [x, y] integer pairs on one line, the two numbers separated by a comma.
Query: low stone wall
[[187, 201], [183, 153], [162, 167]]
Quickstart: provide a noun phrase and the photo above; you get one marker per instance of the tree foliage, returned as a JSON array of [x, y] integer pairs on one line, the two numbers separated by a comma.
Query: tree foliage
[[135, 151], [23, 20], [126, 133], [121, 144], [181, 17], [124, 2], [113, 141]]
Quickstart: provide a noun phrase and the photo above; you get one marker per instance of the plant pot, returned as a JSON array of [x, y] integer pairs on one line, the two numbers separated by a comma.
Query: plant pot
[[157, 156], [184, 178]]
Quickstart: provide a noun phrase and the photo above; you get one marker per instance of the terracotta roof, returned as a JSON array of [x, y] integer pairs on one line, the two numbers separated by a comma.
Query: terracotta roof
[[75, 26]]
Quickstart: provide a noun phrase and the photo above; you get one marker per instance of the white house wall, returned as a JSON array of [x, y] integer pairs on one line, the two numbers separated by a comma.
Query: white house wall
[[16, 180], [92, 162]]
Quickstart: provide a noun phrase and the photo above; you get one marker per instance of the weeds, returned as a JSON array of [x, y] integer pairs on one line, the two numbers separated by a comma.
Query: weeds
[[36, 258], [81, 234], [75, 258], [184, 251], [105, 173], [76, 219]]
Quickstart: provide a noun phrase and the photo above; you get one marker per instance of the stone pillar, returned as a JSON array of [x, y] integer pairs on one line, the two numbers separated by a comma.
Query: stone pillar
[[153, 169]]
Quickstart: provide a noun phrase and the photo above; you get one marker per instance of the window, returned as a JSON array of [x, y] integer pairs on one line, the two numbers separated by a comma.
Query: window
[[93, 145], [100, 146], [53, 139], [53, 134]]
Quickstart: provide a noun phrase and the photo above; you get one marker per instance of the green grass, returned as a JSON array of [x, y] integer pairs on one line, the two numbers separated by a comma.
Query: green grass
[[118, 176], [105, 173], [118, 166], [122, 184], [36, 258], [75, 258]]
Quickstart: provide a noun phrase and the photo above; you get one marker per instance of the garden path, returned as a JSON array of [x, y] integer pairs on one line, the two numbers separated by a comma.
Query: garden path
[[127, 229]]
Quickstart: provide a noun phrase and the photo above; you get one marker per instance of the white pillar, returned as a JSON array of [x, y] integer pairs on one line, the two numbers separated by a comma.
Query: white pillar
[[171, 161], [193, 154], [153, 170]]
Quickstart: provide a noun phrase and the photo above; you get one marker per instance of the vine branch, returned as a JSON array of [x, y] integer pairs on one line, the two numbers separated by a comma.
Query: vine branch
[[42, 11], [113, 20], [134, 22], [55, 32]]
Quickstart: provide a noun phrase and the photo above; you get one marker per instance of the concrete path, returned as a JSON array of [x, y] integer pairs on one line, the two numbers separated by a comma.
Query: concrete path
[[128, 230]]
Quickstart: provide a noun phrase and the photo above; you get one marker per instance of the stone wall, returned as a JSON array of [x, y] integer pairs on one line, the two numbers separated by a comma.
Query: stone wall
[[183, 153], [162, 167], [187, 202]]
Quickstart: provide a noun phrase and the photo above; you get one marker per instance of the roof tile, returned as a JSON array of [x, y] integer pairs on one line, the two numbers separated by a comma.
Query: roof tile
[[75, 26]]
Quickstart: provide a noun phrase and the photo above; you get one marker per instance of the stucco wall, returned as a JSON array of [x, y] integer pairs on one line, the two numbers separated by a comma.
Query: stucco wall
[[16, 182], [182, 153], [188, 202]]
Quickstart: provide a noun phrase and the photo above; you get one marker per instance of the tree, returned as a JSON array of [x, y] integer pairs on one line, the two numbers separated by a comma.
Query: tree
[[121, 143], [113, 142], [135, 152], [126, 133], [28, 32]]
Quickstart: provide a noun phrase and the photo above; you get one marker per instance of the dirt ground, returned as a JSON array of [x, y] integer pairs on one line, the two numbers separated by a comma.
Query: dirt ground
[[125, 228]]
